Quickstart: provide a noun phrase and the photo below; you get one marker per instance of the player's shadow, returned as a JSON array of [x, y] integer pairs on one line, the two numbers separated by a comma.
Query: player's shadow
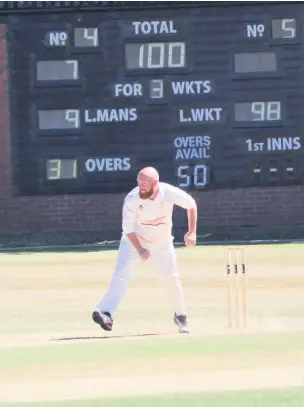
[[78, 338]]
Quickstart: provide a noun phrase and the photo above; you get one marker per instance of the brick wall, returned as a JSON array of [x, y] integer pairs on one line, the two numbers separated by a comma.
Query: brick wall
[[255, 213]]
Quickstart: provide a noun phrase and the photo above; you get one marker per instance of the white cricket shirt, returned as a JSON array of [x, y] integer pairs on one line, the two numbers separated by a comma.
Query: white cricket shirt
[[151, 220]]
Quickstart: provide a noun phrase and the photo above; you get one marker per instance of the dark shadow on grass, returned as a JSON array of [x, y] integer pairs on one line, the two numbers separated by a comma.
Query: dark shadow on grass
[[97, 247], [75, 338]]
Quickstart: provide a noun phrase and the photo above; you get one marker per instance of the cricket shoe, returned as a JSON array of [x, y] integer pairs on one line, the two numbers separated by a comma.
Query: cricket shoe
[[181, 322], [104, 319]]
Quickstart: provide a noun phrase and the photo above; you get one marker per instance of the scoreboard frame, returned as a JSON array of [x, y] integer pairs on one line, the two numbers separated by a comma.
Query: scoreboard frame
[[114, 127]]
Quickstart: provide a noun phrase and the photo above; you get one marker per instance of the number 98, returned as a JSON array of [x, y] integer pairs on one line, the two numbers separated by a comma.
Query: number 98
[[266, 111]]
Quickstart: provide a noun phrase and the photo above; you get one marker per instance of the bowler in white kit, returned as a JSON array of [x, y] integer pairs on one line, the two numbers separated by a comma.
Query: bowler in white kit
[[147, 236]]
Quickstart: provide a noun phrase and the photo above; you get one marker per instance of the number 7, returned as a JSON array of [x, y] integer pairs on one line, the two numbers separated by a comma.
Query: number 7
[[75, 68]]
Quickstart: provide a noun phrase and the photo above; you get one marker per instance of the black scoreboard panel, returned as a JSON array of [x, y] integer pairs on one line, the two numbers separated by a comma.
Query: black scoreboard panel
[[213, 97]]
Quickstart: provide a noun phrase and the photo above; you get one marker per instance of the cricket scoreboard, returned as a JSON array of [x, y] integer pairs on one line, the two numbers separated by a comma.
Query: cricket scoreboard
[[211, 95]]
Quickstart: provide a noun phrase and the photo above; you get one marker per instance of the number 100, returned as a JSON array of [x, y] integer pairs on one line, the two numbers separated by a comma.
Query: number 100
[[156, 55]]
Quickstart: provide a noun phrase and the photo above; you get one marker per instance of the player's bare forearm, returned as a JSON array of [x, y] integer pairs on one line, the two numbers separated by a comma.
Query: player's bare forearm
[[143, 253], [190, 236], [192, 219], [134, 241]]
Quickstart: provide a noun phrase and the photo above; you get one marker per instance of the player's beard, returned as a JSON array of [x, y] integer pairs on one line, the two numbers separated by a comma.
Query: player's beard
[[147, 194]]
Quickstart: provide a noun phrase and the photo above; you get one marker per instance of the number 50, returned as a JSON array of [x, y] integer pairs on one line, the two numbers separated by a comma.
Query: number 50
[[196, 176]]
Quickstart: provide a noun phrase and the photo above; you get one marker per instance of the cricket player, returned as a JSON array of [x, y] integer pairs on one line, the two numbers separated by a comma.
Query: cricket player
[[147, 236]]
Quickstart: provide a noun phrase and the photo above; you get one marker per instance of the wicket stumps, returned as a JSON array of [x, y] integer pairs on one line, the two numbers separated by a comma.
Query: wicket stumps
[[237, 288]]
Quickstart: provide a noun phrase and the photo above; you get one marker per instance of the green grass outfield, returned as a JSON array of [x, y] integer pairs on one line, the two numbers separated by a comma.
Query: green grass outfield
[[53, 355], [261, 398], [245, 349]]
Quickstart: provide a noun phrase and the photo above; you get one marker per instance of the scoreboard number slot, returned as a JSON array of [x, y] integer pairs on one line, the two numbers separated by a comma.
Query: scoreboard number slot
[[192, 176], [67, 70], [252, 62], [156, 88], [86, 37], [257, 111], [61, 168], [59, 119], [284, 28], [156, 55]]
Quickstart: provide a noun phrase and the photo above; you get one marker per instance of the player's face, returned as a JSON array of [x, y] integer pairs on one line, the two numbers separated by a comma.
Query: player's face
[[146, 186]]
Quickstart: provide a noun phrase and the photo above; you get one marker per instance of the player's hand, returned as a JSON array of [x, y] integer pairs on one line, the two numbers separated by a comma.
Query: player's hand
[[190, 239], [144, 254]]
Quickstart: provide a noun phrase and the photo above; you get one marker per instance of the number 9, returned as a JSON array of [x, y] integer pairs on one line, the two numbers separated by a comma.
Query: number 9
[[258, 109], [72, 116]]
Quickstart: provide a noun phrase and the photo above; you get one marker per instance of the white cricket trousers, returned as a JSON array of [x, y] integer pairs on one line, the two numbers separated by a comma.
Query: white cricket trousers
[[162, 261]]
